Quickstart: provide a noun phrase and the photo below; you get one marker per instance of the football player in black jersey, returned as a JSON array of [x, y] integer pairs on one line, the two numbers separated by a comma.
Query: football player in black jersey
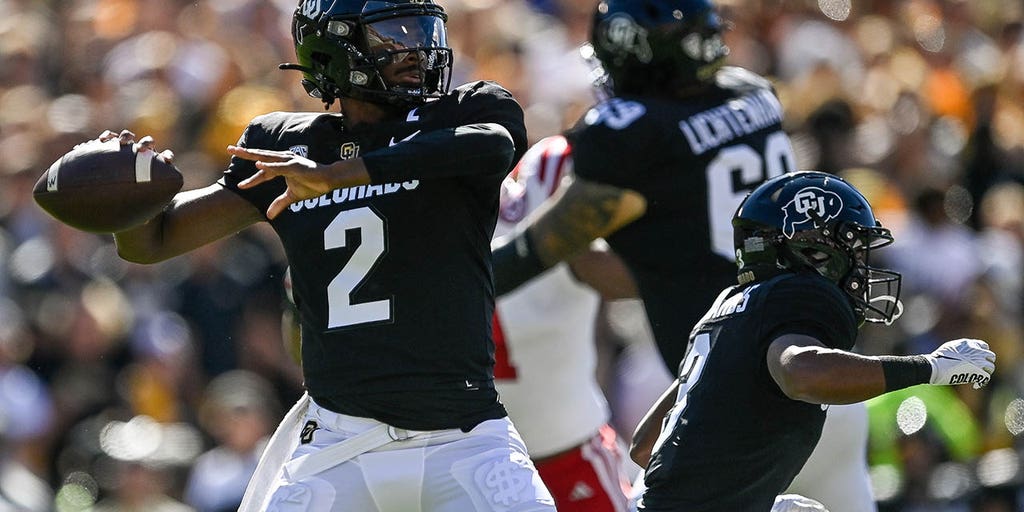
[[386, 212], [749, 402], [662, 164]]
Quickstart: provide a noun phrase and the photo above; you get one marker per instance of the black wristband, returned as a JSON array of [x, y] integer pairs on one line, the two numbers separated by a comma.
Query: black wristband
[[905, 371], [515, 262]]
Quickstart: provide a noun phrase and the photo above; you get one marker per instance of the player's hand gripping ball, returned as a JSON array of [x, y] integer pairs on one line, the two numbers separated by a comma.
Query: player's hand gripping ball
[[104, 186]]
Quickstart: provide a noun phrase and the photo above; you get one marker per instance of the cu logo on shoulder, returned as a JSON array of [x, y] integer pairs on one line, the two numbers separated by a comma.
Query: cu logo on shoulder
[[810, 205]]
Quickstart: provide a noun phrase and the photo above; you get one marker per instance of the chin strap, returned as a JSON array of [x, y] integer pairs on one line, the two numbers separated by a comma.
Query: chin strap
[[311, 88], [288, 66]]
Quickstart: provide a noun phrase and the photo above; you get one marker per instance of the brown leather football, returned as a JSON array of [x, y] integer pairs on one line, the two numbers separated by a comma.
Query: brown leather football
[[106, 187]]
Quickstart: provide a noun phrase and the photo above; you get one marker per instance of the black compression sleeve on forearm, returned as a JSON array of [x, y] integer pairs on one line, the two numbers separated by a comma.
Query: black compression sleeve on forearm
[[905, 371], [476, 149], [515, 262]]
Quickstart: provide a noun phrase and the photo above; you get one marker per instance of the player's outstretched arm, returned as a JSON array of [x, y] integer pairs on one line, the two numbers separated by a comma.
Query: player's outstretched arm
[[562, 228], [485, 148], [467, 150], [604, 271], [192, 219], [647, 432], [806, 370]]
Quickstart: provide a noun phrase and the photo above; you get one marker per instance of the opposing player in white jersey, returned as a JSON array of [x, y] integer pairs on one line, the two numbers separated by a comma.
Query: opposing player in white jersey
[[836, 474], [546, 358]]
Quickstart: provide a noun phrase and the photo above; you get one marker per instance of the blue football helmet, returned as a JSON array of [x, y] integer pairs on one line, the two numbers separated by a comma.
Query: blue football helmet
[[649, 46], [817, 221]]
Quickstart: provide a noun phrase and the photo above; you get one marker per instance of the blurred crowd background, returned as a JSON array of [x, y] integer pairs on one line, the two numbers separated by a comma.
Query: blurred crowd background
[[128, 387]]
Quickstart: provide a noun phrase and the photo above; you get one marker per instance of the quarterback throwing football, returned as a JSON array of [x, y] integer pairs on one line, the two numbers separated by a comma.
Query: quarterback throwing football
[[386, 212]]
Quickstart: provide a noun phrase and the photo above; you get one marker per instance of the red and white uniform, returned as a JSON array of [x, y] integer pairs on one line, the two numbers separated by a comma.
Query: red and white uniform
[[546, 359]]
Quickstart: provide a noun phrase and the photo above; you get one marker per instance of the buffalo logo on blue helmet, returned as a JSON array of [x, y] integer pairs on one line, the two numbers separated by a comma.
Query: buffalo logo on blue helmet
[[626, 37], [311, 8], [810, 205]]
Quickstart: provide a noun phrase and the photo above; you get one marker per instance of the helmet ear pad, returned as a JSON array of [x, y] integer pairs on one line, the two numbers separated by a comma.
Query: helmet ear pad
[[829, 261], [831, 257]]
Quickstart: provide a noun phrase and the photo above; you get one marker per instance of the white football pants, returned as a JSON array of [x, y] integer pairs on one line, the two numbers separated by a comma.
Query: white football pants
[[486, 469]]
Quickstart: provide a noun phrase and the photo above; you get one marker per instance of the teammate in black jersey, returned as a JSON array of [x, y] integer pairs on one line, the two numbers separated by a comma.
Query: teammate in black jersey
[[386, 212], [748, 404], [661, 165]]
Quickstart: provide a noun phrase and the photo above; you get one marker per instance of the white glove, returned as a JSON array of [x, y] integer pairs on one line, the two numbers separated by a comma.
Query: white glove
[[796, 503], [962, 361]]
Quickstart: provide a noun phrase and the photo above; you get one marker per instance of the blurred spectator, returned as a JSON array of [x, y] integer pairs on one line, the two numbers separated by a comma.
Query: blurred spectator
[[139, 458], [26, 420], [915, 431], [831, 127], [117, 462], [940, 263], [1002, 241], [239, 412]]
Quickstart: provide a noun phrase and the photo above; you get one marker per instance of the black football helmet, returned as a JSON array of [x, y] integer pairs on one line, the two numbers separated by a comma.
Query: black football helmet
[[817, 221], [650, 46], [343, 47]]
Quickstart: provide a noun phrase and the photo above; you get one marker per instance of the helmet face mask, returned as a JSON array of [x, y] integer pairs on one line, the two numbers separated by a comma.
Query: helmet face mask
[[383, 52], [651, 46], [817, 221], [841, 252]]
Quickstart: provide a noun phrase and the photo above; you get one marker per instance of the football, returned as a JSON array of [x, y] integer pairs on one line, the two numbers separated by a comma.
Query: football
[[106, 187]]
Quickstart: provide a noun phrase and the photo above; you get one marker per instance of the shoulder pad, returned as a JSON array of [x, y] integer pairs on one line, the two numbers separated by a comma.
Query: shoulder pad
[[482, 88], [274, 122]]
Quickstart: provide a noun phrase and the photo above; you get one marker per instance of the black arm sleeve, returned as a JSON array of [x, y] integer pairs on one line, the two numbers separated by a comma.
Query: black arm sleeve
[[515, 263], [905, 371], [485, 135], [485, 148]]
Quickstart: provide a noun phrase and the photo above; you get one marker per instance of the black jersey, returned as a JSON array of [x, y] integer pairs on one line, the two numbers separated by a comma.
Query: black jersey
[[733, 440], [693, 160], [393, 280]]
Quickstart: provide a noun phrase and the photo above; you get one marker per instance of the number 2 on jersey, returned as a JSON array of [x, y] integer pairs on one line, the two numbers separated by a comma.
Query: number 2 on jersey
[[342, 312], [735, 171]]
